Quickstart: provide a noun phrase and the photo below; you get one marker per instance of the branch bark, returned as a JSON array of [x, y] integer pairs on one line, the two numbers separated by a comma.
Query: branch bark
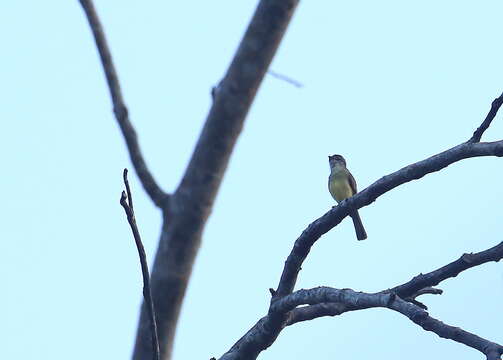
[[417, 286], [358, 301], [120, 108], [325, 301], [267, 329], [334, 216], [186, 212], [415, 171]]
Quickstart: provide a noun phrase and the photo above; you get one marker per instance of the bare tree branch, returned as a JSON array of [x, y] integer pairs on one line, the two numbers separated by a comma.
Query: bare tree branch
[[285, 311], [466, 261], [264, 333], [358, 300], [428, 290], [415, 171], [496, 104], [259, 337], [333, 217], [189, 207], [120, 109], [127, 203], [312, 312], [186, 212], [419, 285]]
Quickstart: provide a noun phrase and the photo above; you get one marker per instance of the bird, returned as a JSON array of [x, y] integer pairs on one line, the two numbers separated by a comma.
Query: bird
[[342, 185]]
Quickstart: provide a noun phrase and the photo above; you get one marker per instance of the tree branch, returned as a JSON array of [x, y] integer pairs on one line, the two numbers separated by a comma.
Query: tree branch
[[428, 323], [333, 217], [419, 285], [189, 207], [264, 333], [496, 104], [127, 203], [119, 106], [428, 290], [284, 311], [347, 300], [415, 171], [466, 261]]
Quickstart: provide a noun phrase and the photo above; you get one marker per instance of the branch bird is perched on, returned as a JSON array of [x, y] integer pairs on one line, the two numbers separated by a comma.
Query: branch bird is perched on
[[342, 185]]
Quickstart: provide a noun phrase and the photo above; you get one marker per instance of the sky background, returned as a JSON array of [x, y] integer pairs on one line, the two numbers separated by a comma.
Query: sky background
[[386, 84]]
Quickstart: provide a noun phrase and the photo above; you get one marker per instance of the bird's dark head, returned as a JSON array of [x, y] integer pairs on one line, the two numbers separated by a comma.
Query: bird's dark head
[[336, 160]]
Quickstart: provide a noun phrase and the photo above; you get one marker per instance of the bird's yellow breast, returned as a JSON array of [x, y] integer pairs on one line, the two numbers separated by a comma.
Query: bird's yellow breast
[[339, 187]]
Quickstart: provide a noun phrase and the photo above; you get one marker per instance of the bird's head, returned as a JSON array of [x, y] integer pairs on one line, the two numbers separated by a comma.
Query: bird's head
[[336, 160]]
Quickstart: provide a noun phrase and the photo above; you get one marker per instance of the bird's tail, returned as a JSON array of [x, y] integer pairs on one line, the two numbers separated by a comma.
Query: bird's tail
[[360, 230]]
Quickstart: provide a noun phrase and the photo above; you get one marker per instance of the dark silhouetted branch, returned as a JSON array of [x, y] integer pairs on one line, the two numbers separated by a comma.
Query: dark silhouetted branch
[[190, 205], [264, 333], [333, 217], [334, 309], [414, 171], [496, 104], [127, 203], [466, 261], [285, 311], [312, 312], [257, 340], [428, 290], [421, 317], [120, 109], [419, 285]]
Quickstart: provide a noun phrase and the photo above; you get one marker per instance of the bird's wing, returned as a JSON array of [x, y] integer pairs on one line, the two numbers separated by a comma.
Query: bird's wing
[[352, 182]]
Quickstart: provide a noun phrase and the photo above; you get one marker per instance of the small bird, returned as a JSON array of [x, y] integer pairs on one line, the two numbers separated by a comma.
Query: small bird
[[342, 185]]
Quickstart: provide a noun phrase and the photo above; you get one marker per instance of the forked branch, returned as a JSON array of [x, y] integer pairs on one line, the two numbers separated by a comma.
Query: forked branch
[[495, 106], [417, 286], [358, 301], [325, 301], [264, 333]]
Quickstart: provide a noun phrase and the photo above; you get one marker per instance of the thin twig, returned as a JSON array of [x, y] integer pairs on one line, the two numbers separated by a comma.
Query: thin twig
[[119, 106], [496, 104], [128, 190], [127, 203], [427, 290], [285, 78]]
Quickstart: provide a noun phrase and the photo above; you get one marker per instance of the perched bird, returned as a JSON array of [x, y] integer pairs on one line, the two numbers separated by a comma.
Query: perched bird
[[342, 185]]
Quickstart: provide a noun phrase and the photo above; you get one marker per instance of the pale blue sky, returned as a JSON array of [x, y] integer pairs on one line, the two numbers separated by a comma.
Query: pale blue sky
[[386, 84]]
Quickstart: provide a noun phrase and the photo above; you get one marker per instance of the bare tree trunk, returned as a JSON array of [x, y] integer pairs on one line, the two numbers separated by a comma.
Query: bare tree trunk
[[186, 211]]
